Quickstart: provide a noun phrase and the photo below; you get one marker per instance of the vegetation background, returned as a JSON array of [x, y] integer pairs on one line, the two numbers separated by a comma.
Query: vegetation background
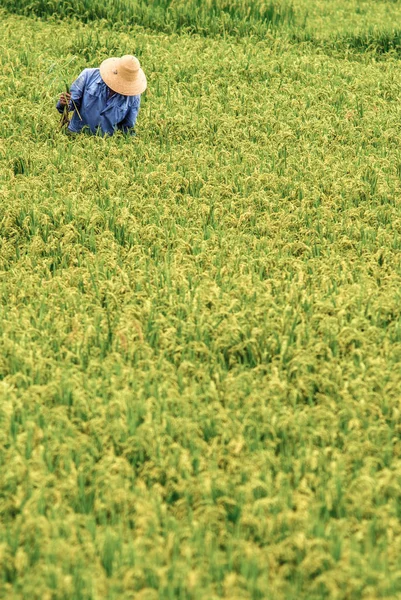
[[201, 326]]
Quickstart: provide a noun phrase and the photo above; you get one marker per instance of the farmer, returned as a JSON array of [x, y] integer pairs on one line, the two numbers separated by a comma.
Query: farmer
[[106, 99]]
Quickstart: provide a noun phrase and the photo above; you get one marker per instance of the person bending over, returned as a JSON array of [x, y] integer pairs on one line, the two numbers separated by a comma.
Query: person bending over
[[106, 99]]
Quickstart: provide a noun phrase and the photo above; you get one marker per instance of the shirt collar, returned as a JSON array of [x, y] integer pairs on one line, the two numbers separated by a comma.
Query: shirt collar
[[116, 96]]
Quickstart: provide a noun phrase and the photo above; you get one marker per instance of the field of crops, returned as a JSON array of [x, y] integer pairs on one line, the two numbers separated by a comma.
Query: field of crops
[[200, 326]]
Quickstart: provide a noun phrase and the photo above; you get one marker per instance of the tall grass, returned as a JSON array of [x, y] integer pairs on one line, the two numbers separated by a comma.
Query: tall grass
[[372, 41], [200, 349], [379, 42], [207, 17]]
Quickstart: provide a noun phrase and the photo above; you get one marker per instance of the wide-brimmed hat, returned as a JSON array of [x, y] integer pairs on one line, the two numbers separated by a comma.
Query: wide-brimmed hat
[[124, 75]]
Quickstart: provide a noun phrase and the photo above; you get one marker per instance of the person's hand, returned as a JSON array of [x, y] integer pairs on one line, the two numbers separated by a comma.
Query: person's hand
[[65, 98]]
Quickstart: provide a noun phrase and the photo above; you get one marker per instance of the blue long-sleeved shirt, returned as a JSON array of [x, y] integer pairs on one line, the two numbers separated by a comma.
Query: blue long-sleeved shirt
[[100, 113]]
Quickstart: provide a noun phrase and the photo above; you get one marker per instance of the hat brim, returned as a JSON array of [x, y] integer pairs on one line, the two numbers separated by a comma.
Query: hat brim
[[115, 82]]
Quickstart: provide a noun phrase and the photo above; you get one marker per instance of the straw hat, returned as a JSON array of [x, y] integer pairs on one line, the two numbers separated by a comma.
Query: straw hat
[[123, 75]]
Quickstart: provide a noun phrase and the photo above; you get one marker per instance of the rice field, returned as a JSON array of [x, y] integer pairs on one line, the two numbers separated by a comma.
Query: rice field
[[200, 360]]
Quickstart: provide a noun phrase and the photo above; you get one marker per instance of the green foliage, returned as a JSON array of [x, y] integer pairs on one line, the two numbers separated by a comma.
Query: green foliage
[[201, 326], [207, 17]]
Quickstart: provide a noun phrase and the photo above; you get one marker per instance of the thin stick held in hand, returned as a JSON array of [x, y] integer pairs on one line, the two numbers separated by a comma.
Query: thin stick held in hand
[[75, 106], [65, 119]]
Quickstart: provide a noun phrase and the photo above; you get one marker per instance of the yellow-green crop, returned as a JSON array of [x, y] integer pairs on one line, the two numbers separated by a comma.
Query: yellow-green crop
[[200, 351]]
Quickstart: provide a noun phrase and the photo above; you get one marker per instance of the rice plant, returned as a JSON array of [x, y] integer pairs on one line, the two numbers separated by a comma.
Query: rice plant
[[207, 17], [201, 326]]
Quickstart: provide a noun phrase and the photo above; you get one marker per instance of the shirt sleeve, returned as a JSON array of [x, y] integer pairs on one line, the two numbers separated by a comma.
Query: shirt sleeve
[[128, 123], [76, 91]]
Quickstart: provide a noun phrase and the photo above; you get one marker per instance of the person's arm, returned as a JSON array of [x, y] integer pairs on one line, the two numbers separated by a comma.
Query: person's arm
[[128, 123], [76, 93]]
